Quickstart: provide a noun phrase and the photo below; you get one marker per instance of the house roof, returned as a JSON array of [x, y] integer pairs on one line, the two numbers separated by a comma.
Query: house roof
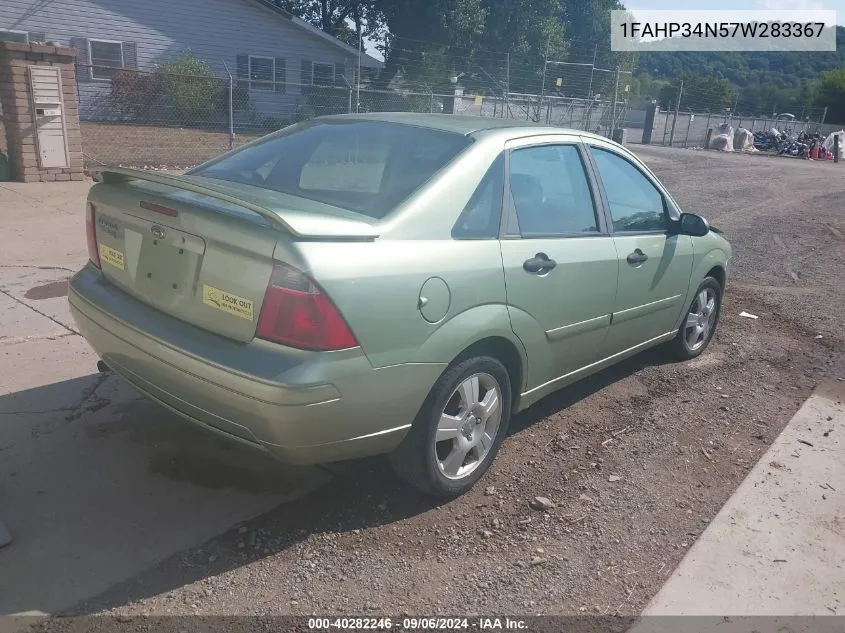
[[366, 60]]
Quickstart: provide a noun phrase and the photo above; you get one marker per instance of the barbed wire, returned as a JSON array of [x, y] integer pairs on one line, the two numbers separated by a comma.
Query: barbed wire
[[584, 85]]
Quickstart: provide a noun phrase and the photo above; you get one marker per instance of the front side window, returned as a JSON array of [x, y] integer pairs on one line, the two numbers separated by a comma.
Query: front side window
[[261, 73], [551, 192], [368, 167], [105, 57], [635, 203]]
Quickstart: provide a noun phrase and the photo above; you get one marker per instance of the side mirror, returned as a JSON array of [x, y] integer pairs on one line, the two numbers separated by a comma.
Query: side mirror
[[691, 224]]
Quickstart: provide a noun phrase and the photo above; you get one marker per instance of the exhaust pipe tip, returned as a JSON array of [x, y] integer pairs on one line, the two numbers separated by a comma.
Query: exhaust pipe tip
[[102, 367]]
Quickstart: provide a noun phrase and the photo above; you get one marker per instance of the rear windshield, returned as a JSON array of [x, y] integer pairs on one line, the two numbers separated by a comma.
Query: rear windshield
[[365, 166]]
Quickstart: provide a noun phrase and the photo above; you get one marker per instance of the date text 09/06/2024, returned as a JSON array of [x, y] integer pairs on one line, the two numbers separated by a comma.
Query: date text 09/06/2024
[[416, 624]]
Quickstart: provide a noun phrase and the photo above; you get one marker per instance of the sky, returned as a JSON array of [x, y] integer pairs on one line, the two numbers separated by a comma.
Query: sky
[[715, 5]]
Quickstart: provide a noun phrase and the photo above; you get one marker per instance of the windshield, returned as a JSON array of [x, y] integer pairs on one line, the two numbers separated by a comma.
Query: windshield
[[365, 166]]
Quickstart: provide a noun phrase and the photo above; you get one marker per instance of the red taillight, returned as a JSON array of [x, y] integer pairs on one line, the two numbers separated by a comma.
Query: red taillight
[[91, 234], [295, 312]]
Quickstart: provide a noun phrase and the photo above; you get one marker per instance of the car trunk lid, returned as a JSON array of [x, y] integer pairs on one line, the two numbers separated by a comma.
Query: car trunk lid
[[198, 252]]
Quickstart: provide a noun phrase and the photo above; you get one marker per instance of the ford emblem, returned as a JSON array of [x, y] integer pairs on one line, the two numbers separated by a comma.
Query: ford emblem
[[157, 232]]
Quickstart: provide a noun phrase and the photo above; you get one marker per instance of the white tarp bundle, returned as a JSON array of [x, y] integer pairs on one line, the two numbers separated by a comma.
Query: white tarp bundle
[[744, 141], [828, 143], [723, 140]]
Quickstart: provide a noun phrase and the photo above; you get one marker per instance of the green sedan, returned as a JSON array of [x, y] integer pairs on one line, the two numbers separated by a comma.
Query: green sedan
[[390, 283]]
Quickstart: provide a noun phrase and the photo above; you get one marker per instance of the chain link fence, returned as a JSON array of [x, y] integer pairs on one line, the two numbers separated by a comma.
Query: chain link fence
[[159, 120], [690, 129], [690, 111], [174, 121]]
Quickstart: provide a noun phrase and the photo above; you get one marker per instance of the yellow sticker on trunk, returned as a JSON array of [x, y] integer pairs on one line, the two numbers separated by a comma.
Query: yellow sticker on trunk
[[111, 256], [227, 302]]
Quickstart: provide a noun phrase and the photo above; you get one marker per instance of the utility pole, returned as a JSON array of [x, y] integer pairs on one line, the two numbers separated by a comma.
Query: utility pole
[[736, 101], [358, 82], [592, 70], [613, 108], [675, 118], [507, 87], [543, 87], [231, 108]]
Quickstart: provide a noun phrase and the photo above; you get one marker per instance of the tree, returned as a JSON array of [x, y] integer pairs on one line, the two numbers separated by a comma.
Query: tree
[[829, 92], [194, 92], [430, 41], [334, 17]]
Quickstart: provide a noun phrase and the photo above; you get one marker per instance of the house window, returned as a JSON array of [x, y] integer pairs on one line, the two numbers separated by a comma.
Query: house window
[[323, 74], [261, 72], [14, 36], [105, 56]]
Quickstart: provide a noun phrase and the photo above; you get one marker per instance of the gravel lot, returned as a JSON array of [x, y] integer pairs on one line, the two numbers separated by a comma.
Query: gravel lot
[[636, 459]]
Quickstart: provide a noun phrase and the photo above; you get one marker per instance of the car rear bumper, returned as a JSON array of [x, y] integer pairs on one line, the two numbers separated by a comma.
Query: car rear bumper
[[303, 407]]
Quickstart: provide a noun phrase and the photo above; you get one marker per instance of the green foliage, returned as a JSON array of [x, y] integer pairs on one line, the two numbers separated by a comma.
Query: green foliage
[[133, 93], [829, 91], [194, 92], [766, 81]]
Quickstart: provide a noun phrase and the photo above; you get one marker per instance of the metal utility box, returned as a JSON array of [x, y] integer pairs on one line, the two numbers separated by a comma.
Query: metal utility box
[[48, 112]]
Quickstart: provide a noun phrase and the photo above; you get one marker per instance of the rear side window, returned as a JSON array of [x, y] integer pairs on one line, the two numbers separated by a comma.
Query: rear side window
[[551, 192], [635, 203], [364, 166], [480, 219]]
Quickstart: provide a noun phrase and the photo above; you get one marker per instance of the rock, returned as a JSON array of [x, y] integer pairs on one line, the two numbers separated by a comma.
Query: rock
[[614, 478], [124, 619], [490, 491], [496, 523], [542, 503], [540, 550], [536, 560], [485, 533], [208, 593], [584, 497]]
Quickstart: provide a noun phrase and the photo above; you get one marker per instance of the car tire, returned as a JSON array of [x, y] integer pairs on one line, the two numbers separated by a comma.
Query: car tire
[[700, 321], [459, 410]]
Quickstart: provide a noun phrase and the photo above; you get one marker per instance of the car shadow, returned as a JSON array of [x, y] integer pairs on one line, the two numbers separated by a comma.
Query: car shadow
[[362, 494]]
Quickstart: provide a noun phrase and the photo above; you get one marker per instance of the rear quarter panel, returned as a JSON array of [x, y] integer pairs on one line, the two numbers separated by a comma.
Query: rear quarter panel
[[377, 287]]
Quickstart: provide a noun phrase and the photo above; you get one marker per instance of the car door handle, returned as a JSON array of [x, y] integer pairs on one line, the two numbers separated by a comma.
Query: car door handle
[[539, 263], [637, 257]]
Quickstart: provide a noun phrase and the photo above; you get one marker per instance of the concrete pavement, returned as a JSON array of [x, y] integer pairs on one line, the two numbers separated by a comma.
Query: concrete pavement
[[96, 483], [777, 547]]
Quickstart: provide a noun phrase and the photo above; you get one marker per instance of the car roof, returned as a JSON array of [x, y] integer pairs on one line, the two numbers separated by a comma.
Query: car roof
[[460, 124]]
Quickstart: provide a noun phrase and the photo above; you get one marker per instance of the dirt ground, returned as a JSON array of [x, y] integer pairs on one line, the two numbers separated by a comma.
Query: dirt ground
[[143, 146], [637, 459]]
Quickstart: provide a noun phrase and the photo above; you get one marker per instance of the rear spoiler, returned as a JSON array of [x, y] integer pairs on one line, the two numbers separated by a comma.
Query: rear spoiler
[[117, 175], [298, 224]]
